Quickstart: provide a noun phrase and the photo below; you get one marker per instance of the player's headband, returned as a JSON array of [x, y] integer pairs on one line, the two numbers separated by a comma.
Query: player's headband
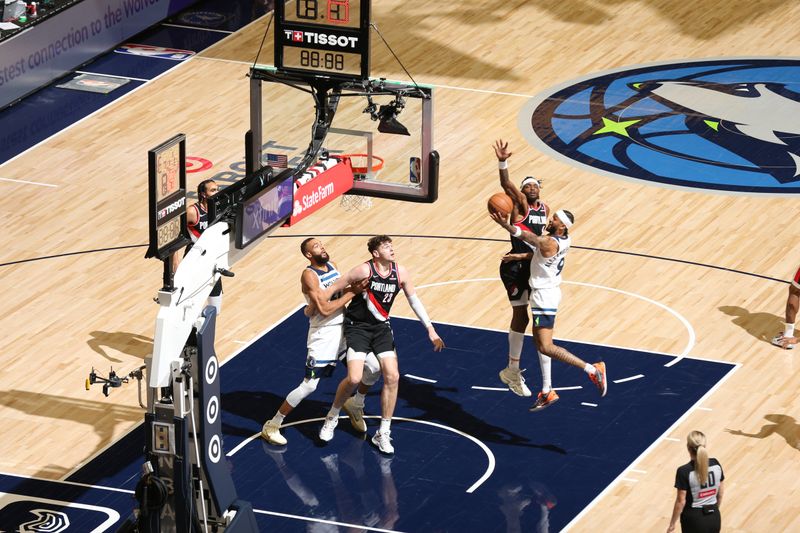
[[562, 216], [530, 179]]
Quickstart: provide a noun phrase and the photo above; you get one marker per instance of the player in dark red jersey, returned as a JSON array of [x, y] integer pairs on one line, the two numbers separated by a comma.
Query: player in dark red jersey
[[367, 329], [197, 223], [786, 338], [529, 214]]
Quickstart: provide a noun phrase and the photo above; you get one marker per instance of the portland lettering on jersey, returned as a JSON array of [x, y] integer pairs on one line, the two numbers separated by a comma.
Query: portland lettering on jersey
[[535, 222], [376, 301]]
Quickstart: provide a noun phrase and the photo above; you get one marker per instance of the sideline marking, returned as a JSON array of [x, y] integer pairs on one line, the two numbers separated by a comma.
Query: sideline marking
[[28, 182], [355, 527]]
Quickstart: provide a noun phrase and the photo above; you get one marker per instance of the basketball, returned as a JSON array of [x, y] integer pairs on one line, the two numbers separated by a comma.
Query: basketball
[[500, 203]]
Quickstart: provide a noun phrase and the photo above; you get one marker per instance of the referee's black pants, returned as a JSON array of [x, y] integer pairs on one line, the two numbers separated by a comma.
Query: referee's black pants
[[695, 520]]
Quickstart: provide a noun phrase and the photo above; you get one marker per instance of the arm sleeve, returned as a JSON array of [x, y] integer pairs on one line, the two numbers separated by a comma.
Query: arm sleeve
[[419, 309]]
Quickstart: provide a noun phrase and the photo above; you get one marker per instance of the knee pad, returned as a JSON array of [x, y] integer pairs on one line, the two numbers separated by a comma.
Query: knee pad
[[372, 370], [304, 389]]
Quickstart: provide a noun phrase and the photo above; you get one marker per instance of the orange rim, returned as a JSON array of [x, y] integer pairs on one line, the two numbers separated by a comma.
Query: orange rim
[[377, 162]]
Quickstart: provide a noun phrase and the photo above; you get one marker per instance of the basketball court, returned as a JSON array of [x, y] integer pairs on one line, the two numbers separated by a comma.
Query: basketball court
[[677, 278]]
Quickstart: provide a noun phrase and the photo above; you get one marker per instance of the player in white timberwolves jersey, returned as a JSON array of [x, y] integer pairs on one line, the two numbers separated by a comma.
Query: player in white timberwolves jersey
[[549, 255], [325, 337]]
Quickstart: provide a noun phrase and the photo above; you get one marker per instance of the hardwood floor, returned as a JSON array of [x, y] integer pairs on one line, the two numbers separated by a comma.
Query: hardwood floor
[[691, 252]]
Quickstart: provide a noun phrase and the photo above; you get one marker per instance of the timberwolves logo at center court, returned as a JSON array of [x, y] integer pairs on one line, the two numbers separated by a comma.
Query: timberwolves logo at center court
[[726, 125]]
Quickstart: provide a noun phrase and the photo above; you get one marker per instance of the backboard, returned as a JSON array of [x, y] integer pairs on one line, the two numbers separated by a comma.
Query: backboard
[[395, 123]]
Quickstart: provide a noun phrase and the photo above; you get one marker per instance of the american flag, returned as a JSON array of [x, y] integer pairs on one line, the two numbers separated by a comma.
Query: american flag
[[277, 160]]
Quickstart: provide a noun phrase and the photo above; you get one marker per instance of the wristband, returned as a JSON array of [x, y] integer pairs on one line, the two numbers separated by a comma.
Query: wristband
[[502, 165], [517, 232]]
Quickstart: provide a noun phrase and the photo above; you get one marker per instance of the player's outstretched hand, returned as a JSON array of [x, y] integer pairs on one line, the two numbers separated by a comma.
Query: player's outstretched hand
[[501, 150], [787, 341], [310, 311], [359, 286], [438, 343], [500, 218]]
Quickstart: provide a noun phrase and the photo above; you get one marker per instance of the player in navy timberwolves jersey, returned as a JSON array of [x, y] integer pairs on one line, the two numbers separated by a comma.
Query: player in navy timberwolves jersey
[[530, 214], [367, 329], [197, 223]]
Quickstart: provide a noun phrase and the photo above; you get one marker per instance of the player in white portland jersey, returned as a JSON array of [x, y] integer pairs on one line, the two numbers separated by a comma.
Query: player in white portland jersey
[[325, 337], [546, 265]]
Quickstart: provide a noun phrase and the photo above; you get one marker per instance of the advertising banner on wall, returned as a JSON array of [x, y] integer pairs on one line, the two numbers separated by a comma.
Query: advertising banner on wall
[[46, 51]]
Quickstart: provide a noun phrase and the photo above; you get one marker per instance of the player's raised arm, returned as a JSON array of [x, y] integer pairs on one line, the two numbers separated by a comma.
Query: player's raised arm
[[520, 201], [418, 308]]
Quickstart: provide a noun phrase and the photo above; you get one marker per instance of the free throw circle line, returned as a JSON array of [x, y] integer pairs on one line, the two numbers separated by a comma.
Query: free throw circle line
[[489, 455], [692, 337]]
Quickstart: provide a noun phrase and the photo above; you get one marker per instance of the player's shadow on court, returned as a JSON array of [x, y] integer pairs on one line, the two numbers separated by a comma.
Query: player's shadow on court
[[762, 326], [434, 407], [102, 417], [260, 406], [782, 425], [120, 341], [683, 16], [415, 29]]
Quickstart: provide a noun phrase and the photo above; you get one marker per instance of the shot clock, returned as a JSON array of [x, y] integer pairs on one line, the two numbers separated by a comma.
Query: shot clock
[[167, 188], [327, 38]]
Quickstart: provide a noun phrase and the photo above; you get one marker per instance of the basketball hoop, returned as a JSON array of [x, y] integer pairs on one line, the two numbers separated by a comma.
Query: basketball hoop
[[362, 170], [361, 165]]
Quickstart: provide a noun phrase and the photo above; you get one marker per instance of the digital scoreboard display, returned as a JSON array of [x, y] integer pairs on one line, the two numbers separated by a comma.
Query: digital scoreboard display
[[323, 38], [322, 61], [264, 212], [342, 13], [167, 189]]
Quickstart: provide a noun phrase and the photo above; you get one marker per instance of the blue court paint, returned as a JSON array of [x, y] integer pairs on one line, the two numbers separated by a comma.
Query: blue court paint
[[45, 113], [549, 465]]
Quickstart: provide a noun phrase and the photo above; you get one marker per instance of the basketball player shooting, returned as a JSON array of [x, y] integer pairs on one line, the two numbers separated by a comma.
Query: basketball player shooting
[[530, 214], [549, 255]]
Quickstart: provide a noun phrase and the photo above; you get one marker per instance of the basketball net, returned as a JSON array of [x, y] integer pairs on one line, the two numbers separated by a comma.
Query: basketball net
[[355, 203], [361, 171]]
